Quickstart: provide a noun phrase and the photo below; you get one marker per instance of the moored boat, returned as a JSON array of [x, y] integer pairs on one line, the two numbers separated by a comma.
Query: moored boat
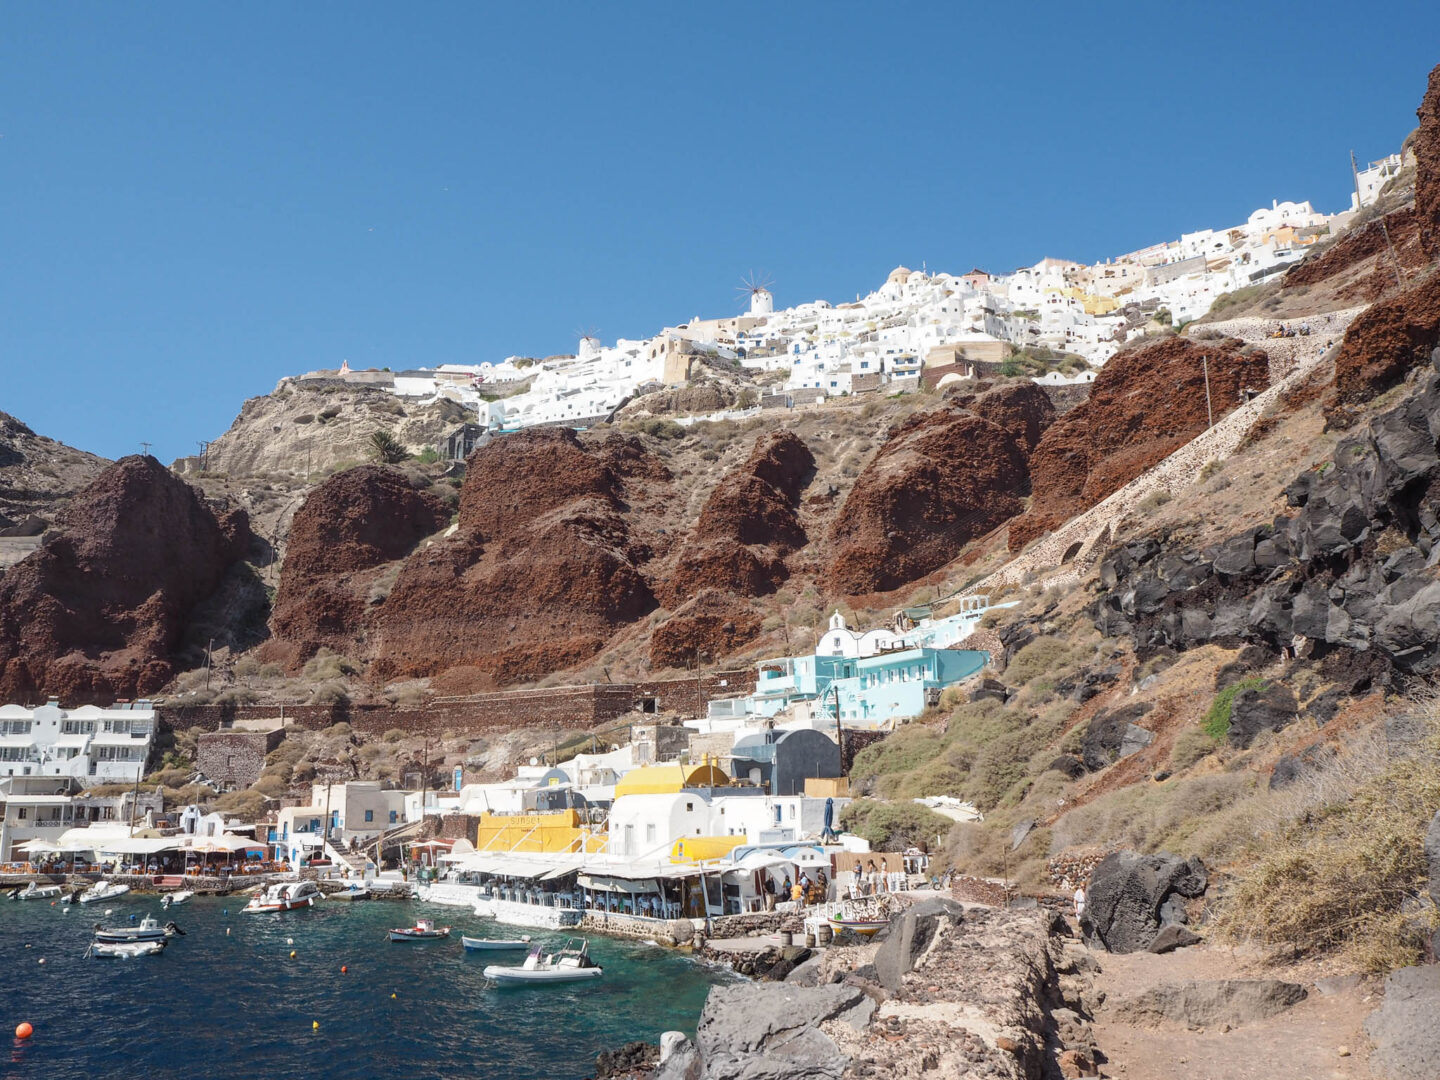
[[286, 896], [34, 891], [351, 892], [147, 929], [179, 896], [128, 950], [423, 930], [570, 964], [103, 890], [477, 944]]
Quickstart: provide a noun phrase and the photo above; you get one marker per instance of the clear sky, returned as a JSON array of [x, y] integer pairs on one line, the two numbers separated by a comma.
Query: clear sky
[[197, 199]]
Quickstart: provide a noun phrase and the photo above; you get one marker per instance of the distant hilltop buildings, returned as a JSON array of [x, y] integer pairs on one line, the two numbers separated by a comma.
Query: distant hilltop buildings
[[918, 323]]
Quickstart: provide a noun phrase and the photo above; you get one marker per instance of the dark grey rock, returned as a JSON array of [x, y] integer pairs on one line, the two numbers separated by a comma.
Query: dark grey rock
[[770, 1031], [1174, 937], [1211, 1003], [909, 935], [1337, 984], [1105, 734], [807, 973], [1172, 911], [1134, 739], [1326, 706], [1403, 1030], [1304, 762], [1127, 892], [679, 1060], [990, 690], [1409, 633], [1432, 856], [1271, 708]]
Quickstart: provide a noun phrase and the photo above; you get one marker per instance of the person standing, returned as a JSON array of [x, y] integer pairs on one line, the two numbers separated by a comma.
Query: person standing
[[1080, 904]]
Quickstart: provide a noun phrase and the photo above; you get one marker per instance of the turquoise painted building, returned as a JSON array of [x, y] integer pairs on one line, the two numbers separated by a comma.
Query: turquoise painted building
[[874, 678]]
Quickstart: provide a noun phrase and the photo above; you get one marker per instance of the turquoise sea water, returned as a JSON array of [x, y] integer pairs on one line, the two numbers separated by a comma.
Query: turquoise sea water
[[236, 1005]]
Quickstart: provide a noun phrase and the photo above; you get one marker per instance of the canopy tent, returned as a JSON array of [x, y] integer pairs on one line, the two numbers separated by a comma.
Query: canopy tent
[[225, 843], [140, 845]]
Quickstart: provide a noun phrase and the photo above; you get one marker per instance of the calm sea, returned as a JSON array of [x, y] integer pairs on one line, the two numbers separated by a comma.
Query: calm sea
[[236, 1005]]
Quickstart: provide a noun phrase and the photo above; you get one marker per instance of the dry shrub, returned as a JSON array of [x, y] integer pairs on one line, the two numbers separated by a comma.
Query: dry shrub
[[1347, 873], [1150, 816], [1191, 747]]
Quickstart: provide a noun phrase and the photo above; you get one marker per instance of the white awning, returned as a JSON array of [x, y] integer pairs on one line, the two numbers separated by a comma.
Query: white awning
[[139, 845]]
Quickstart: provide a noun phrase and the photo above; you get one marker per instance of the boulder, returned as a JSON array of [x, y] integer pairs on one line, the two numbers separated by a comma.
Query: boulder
[[680, 930], [679, 1060], [1105, 739], [1173, 937], [1068, 766], [1127, 892], [626, 1061], [1432, 856], [1270, 708], [1403, 1029], [770, 1031], [1212, 1002], [910, 934], [1304, 762]]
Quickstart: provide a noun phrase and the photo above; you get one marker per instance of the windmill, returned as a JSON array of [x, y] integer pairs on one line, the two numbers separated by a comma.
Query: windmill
[[755, 288], [589, 338]]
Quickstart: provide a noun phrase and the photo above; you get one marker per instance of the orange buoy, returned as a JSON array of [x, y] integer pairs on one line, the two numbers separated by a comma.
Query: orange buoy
[[24, 1031], [292, 954], [343, 969]]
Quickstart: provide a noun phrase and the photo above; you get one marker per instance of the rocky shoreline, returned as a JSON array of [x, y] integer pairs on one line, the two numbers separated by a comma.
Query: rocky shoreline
[[945, 991]]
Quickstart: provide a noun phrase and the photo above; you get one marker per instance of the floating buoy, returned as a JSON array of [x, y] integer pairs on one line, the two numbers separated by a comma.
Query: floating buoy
[[314, 1025], [392, 996], [42, 959], [109, 911], [227, 931], [289, 941], [24, 1031], [344, 968], [292, 954], [52, 903]]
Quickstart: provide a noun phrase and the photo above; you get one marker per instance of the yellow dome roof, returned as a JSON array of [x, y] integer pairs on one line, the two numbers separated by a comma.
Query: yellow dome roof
[[900, 273]]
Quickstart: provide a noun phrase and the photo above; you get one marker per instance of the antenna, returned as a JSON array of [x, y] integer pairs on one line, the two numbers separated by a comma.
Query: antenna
[[145, 448]]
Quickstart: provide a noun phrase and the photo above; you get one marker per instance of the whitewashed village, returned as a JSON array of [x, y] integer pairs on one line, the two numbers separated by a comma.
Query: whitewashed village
[[954, 326]]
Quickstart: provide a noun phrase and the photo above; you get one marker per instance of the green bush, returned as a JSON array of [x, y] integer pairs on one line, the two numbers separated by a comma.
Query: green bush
[[893, 826], [386, 449], [1217, 721], [428, 456]]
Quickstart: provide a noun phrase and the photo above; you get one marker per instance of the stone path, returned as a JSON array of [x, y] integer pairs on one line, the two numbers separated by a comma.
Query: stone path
[[1084, 537]]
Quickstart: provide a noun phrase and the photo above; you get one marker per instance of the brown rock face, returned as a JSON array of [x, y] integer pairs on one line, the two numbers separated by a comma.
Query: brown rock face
[[1145, 404], [942, 479], [1365, 242], [708, 627], [542, 570], [1387, 340], [350, 528], [1427, 161], [748, 524], [1021, 408], [99, 612]]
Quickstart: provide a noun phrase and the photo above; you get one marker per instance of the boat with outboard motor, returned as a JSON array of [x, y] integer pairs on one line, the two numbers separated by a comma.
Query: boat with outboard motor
[[286, 896], [103, 890], [570, 964], [179, 896], [34, 891], [480, 944], [423, 930], [127, 949], [147, 929]]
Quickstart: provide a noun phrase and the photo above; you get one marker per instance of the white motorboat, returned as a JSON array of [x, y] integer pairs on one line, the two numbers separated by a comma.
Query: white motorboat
[[128, 950], [103, 890], [570, 964], [148, 929], [35, 891], [480, 944], [179, 896], [352, 891], [286, 897]]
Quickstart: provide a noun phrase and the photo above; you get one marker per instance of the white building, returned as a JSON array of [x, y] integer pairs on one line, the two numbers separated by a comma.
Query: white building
[[93, 745]]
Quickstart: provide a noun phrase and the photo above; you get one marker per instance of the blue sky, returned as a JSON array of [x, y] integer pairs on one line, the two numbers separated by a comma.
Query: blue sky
[[197, 199]]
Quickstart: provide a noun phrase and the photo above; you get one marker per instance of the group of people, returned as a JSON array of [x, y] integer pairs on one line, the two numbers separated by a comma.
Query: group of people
[[803, 890], [876, 881]]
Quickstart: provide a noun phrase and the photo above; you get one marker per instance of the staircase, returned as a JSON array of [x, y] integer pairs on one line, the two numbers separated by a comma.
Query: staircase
[[354, 860]]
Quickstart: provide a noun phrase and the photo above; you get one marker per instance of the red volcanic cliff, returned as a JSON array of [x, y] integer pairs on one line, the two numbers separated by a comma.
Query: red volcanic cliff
[[1145, 404], [541, 571], [712, 625], [748, 525], [942, 479], [350, 528], [1427, 162], [100, 610]]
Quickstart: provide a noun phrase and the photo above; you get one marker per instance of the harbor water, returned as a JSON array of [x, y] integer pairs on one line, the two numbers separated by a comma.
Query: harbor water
[[235, 1003]]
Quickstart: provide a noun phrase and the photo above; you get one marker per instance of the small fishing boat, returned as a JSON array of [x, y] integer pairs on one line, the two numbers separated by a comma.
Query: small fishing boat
[[179, 896], [863, 927], [126, 949], [353, 891], [34, 891], [423, 930], [103, 890], [480, 944], [147, 929], [286, 897], [570, 964]]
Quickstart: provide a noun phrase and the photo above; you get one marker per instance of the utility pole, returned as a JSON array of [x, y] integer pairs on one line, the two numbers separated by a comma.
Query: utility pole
[[204, 445], [1355, 175], [145, 448], [209, 651], [1209, 413]]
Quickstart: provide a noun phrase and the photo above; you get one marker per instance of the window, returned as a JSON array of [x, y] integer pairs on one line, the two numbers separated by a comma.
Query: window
[[650, 833], [689, 807], [369, 815], [393, 817], [24, 813]]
